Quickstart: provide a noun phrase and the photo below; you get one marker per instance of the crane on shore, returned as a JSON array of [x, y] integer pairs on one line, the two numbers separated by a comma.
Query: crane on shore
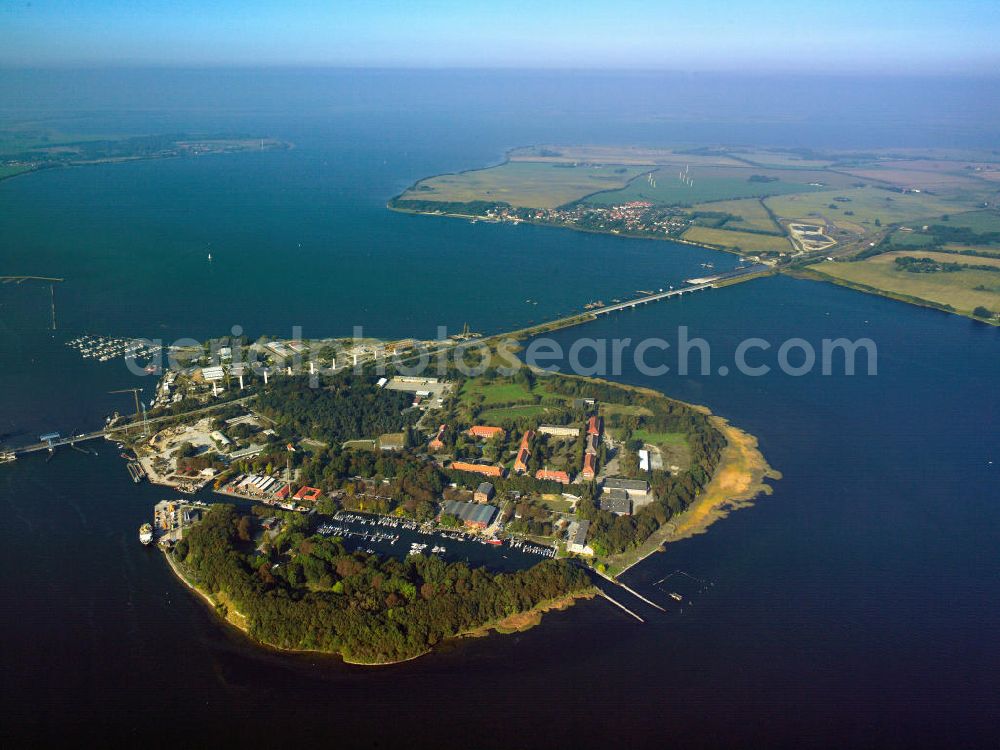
[[140, 412], [45, 279]]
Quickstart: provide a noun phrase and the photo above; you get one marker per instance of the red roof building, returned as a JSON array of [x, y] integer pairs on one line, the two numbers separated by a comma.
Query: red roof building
[[284, 492], [552, 476], [484, 469], [589, 466], [309, 494], [524, 452], [485, 432], [438, 442], [595, 426]]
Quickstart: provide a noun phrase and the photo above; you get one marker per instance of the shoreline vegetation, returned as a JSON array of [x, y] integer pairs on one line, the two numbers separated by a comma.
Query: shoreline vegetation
[[518, 622], [738, 482]]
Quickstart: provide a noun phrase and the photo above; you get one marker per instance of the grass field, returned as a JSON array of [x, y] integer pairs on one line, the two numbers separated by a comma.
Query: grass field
[[944, 257], [660, 438], [978, 221], [513, 412], [745, 241], [523, 184], [963, 290], [717, 184], [494, 393], [910, 239], [556, 503], [752, 215], [867, 205]]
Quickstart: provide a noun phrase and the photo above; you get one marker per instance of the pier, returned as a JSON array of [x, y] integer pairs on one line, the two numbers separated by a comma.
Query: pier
[[51, 441]]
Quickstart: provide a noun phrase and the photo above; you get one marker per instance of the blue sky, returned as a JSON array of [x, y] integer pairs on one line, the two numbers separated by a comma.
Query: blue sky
[[882, 36]]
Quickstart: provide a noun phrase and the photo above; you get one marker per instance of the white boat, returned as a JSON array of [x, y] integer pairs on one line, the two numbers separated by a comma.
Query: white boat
[[146, 533]]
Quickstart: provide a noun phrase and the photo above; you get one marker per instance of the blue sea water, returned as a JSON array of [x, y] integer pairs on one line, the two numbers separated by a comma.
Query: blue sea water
[[858, 605]]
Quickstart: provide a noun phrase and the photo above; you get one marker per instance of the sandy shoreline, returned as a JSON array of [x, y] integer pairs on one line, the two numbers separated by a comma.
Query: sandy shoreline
[[737, 481]]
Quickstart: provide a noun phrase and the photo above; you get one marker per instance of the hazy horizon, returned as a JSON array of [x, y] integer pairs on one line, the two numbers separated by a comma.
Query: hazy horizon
[[852, 36]]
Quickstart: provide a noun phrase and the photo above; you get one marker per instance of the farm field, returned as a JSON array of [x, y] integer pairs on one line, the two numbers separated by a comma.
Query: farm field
[[523, 184], [963, 290], [977, 221], [944, 257], [910, 239], [866, 204], [619, 155], [703, 184], [993, 250], [784, 159], [747, 242], [749, 212]]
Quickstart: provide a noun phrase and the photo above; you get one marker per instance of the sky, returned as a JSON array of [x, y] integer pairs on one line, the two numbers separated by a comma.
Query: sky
[[841, 36]]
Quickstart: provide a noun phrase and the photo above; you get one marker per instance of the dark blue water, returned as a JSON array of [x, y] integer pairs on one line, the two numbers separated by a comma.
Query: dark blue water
[[859, 605]]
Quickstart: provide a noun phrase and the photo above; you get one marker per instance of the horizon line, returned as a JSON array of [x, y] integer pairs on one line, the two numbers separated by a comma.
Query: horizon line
[[985, 73]]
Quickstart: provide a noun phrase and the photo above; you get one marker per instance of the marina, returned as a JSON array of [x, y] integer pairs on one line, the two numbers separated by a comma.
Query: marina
[[105, 349], [401, 538]]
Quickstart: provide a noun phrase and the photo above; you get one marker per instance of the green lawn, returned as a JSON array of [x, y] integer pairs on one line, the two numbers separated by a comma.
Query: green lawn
[[494, 393], [512, 412], [556, 504], [660, 438]]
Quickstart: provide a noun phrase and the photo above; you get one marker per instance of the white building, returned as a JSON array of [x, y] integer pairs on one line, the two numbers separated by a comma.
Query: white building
[[576, 538]]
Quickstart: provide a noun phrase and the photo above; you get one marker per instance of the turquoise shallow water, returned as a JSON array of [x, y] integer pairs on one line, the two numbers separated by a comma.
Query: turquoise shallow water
[[856, 606]]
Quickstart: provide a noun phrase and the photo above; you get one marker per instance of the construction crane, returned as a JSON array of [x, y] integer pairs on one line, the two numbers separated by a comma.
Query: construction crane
[[139, 412], [47, 279]]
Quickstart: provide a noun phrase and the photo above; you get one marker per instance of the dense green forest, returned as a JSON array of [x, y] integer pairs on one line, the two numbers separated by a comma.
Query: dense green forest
[[344, 407], [413, 489], [301, 591]]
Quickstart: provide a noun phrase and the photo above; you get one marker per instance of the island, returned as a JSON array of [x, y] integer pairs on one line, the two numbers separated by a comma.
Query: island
[[845, 217], [24, 150], [375, 514]]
